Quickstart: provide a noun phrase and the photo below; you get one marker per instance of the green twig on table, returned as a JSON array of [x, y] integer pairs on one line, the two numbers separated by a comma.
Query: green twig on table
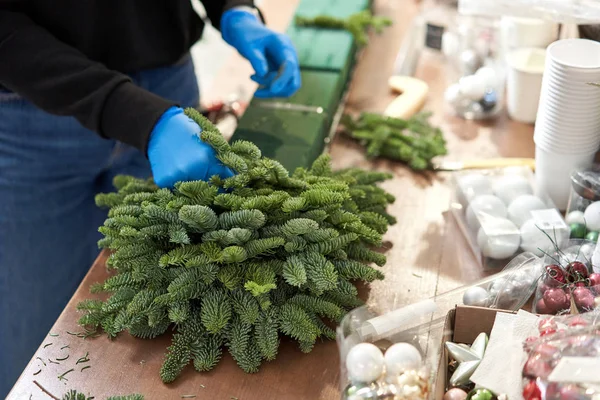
[[413, 141], [64, 374], [357, 24], [62, 359], [83, 359], [86, 367]]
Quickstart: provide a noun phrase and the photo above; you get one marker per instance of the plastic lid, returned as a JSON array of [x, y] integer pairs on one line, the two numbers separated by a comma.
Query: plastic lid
[[586, 183]]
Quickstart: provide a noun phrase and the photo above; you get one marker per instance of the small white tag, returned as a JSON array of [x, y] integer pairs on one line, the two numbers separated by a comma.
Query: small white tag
[[576, 370], [548, 219]]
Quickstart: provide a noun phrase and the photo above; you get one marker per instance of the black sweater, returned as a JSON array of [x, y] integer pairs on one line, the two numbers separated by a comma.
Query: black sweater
[[70, 57]]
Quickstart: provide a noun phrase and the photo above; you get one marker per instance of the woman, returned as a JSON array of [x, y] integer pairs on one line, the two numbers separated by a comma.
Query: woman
[[88, 90]]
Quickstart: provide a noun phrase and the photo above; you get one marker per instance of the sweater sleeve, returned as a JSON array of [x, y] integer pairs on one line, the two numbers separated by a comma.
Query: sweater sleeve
[[215, 9], [60, 80]]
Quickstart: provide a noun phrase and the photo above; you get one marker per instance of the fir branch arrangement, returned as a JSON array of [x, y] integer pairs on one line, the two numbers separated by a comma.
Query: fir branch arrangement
[[236, 263], [413, 141], [357, 24], [75, 395]]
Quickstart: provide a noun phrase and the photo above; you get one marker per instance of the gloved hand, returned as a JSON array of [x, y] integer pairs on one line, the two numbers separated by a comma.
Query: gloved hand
[[177, 153], [271, 54]]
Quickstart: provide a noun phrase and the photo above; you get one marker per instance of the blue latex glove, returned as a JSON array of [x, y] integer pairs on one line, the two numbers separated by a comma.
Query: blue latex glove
[[271, 54], [177, 153]]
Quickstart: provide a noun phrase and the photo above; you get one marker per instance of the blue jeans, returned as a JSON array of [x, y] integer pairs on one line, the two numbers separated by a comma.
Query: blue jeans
[[50, 169]]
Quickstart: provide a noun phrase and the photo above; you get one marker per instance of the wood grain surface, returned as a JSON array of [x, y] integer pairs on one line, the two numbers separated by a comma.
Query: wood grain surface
[[426, 255]]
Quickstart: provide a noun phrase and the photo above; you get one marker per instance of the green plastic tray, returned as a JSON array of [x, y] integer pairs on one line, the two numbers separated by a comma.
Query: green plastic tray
[[334, 8], [293, 138]]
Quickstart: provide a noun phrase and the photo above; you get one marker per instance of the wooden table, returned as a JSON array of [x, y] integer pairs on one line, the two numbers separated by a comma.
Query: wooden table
[[426, 255]]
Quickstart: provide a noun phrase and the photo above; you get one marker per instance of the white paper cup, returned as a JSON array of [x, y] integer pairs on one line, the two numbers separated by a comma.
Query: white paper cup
[[553, 173], [527, 32], [575, 54], [524, 83]]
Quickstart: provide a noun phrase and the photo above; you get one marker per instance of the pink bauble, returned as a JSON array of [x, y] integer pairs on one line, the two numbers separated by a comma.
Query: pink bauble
[[577, 271], [577, 321], [540, 307], [536, 367], [546, 351], [569, 392], [556, 300], [555, 276], [594, 279], [455, 394], [584, 299], [547, 323]]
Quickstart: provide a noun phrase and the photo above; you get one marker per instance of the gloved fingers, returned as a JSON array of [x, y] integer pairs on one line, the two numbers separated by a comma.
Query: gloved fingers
[[285, 86], [258, 61], [264, 80]]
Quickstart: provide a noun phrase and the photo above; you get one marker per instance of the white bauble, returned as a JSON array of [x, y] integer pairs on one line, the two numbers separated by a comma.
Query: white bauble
[[453, 95], [519, 210], [482, 208], [401, 357], [592, 216], [472, 86], [533, 239], [575, 217], [471, 186], [476, 296], [500, 239], [508, 188], [489, 76], [364, 363]]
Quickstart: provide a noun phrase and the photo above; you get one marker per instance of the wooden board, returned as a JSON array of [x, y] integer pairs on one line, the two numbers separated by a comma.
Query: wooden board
[[426, 255]]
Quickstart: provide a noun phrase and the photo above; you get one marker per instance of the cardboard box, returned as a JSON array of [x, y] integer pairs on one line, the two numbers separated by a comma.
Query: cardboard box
[[462, 325]]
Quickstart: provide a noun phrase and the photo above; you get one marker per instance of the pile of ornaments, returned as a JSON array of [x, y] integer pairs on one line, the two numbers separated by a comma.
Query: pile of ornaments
[[499, 214], [464, 360], [399, 374], [586, 223], [475, 96], [575, 338], [568, 284], [584, 204]]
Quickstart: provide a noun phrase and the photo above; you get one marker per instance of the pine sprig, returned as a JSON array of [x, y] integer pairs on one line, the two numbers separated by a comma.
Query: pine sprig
[[237, 269], [413, 141]]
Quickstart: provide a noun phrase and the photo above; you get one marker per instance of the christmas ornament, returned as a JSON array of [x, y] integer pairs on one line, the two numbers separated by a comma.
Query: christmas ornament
[[531, 391], [486, 205], [361, 391], [410, 385], [592, 236], [454, 96], [468, 358], [489, 100], [401, 357], [473, 185], [476, 296], [509, 187], [536, 239], [575, 217], [455, 394], [556, 300], [578, 231], [519, 210], [498, 238], [364, 363], [594, 279], [592, 216], [488, 75], [470, 62], [584, 299], [576, 271], [472, 87], [537, 366], [481, 394]]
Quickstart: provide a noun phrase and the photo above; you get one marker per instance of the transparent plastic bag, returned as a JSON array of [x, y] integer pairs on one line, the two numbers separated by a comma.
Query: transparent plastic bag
[[583, 210], [501, 213], [561, 11], [563, 362], [568, 284], [422, 324]]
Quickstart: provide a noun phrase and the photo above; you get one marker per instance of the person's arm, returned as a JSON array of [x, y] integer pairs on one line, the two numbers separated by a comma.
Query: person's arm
[[61, 80], [215, 9]]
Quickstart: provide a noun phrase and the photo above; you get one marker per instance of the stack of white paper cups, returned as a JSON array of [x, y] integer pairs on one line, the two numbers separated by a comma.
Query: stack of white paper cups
[[567, 130]]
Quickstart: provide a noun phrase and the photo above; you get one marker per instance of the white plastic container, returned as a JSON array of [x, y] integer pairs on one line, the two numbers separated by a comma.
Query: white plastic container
[[524, 83]]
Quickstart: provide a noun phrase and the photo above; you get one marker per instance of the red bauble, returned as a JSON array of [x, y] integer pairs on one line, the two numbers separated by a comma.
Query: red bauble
[[545, 351], [531, 391], [556, 300], [555, 276], [594, 279], [569, 392], [547, 323], [536, 366], [577, 271], [547, 332], [540, 307], [584, 298], [580, 284], [577, 321], [529, 343]]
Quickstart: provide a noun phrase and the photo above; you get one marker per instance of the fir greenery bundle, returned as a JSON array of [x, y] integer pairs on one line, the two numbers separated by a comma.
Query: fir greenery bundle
[[238, 262], [357, 24], [413, 141]]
